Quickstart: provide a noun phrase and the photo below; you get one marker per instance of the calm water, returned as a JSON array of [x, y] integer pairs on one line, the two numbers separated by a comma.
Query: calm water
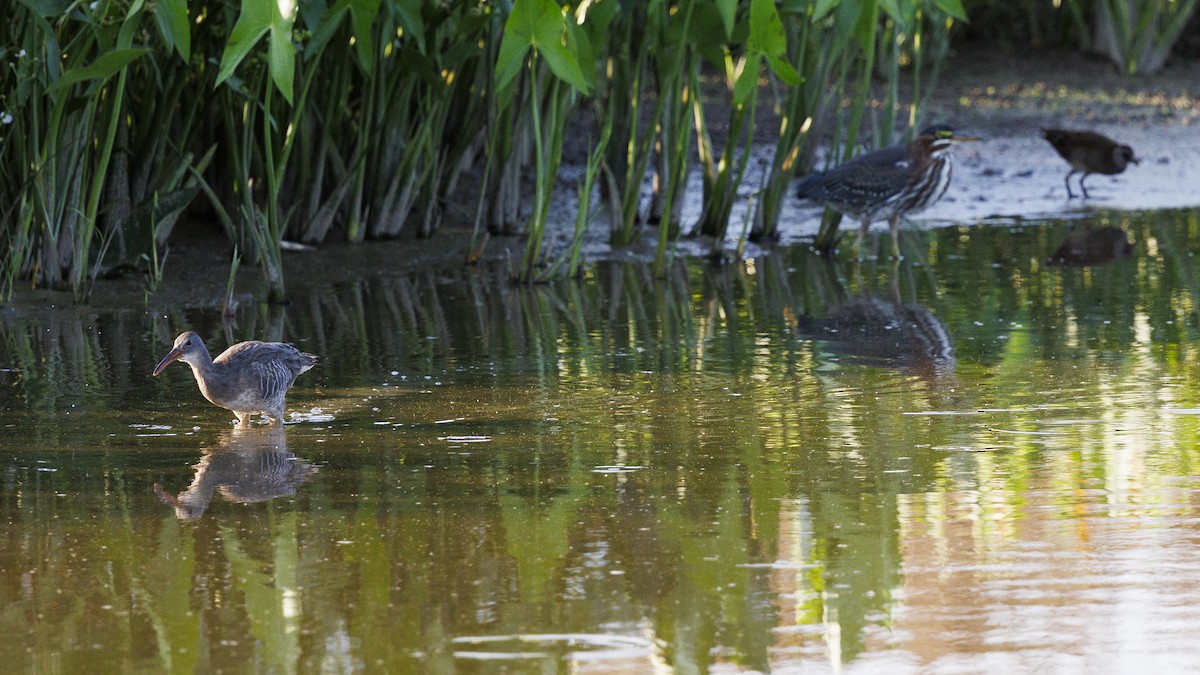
[[986, 464]]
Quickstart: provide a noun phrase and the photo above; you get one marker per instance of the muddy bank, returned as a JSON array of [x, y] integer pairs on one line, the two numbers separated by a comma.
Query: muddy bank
[[1015, 173]]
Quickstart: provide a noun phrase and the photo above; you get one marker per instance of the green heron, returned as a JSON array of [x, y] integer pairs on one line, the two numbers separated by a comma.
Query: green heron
[[1088, 153], [888, 184], [248, 378]]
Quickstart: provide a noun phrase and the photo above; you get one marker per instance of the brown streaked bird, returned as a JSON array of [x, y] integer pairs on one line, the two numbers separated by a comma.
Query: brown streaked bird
[[248, 378], [888, 184], [1088, 152]]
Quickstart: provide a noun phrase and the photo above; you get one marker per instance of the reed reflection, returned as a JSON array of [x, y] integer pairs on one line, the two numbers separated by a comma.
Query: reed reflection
[[246, 466]]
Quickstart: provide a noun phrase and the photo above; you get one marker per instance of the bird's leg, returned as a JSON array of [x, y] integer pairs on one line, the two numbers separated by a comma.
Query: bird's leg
[[1067, 182], [243, 419], [894, 224], [862, 237], [1084, 187]]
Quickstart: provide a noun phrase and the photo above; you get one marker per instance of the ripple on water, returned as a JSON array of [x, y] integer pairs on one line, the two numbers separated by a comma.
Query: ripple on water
[[565, 646]]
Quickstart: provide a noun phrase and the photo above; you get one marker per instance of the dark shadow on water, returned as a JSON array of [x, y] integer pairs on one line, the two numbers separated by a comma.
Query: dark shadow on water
[[246, 466]]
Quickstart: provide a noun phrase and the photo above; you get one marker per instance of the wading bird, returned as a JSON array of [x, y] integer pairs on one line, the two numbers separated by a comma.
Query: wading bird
[[1088, 153], [248, 378], [888, 184]]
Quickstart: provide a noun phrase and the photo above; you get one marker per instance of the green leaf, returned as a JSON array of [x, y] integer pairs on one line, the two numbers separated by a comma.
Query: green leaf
[[409, 12], [171, 17], [784, 70], [252, 24], [510, 60], [101, 69], [766, 30], [707, 34], [537, 24], [564, 65], [281, 54], [728, 12], [326, 27], [846, 21], [281, 58], [892, 9], [868, 24], [47, 8], [362, 17], [824, 7], [129, 25], [952, 7], [747, 81]]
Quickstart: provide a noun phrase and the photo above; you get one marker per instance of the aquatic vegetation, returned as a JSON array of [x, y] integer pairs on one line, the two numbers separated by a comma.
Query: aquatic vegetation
[[372, 120]]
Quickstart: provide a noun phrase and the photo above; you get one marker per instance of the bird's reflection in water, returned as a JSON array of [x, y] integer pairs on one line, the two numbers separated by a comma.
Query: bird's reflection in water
[[247, 465], [880, 329], [1087, 245]]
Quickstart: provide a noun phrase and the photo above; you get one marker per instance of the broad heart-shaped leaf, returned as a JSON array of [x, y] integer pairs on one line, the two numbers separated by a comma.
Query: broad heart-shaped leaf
[[728, 11], [171, 17], [766, 30], [538, 24], [767, 40], [952, 7], [520, 29], [106, 66], [253, 22]]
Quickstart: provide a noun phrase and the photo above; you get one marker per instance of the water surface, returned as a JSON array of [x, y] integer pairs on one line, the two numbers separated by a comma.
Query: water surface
[[971, 461]]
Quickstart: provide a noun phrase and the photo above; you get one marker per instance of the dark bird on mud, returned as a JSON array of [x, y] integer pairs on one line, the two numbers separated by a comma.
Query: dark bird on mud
[[248, 378], [1088, 153], [888, 184]]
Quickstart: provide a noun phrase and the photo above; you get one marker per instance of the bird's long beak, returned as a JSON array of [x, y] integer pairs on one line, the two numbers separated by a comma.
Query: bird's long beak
[[966, 139], [170, 358]]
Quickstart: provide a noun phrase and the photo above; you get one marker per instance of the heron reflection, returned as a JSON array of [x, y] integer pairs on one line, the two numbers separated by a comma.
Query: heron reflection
[[883, 330], [1086, 245], [246, 466]]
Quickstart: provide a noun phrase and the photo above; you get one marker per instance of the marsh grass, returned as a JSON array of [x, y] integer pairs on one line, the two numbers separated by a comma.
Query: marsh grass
[[361, 121]]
